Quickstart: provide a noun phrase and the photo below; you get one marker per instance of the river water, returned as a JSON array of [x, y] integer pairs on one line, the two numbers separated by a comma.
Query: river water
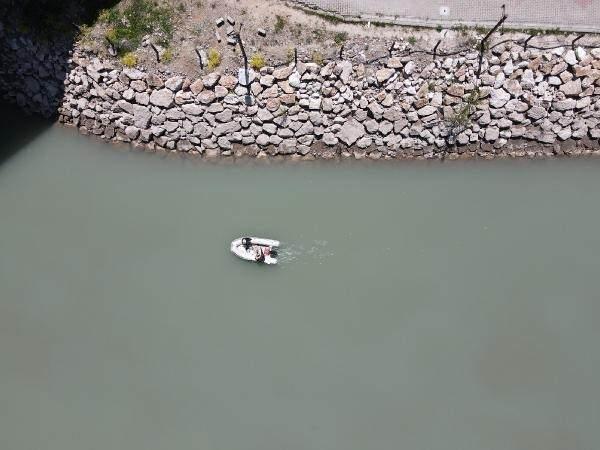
[[418, 306]]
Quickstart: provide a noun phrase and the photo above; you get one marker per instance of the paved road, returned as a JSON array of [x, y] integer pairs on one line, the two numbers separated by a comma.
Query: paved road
[[581, 15]]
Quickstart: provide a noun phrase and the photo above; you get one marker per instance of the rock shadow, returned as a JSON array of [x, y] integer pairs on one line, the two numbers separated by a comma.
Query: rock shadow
[[36, 43]]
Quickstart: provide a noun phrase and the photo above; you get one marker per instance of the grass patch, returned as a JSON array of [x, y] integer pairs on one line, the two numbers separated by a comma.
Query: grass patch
[[340, 37], [131, 21], [214, 58], [412, 40], [462, 117], [257, 61], [290, 55], [167, 56], [318, 58], [129, 59], [280, 23]]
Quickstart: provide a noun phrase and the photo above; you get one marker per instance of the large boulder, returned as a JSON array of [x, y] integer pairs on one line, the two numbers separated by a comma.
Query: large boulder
[[141, 116], [162, 97], [572, 88], [351, 132], [499, 98], [383, 75]]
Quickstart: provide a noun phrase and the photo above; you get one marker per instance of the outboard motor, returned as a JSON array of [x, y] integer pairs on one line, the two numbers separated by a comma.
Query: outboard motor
[[247, 243]]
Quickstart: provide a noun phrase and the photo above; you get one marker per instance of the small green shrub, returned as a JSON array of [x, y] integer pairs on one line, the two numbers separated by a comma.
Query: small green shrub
[[167, 56], [319, 35], [290, 55], [280, 23], [129, 59], [318, 58], [412, 40], [340, 37], [214, 58], [257, 61]]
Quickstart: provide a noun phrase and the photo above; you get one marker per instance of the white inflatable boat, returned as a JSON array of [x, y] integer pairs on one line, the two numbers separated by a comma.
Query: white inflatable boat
[[256, 249]]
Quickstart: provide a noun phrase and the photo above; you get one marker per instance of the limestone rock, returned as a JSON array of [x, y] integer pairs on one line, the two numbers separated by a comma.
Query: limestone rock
[[163, 98], [537, 113], [427, 111], [196, 87], [383, 75], [211, 80], [499, 98], [351, 132], [174, 83], [572, 88]]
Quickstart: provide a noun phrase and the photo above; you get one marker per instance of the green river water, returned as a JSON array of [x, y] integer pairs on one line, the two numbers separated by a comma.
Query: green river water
[[417, 306]]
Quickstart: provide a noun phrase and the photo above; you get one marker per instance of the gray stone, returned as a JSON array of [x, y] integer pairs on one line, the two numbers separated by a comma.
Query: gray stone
[[306, 129], [372, 126], [141, 116], [224, 143], [570, 58], [516, 105], [142, 98], [394, 63], [537, 113], [206, 97], [409, 68], [270, 128], [499, 98], [264, 115], [345, 71], [314, 104], [383, 75], [193, 109], [163, 98], [491, 134], [184, 145], [196, 87], [226, 128], [174, 83], [224, 116], [124, 106], [564, 105], [427, 110], [329, 139], [294, 80], [283, 73], [132, 132], [351, 131], [572, 88], [376, 110], [262, 140], [211, 80], [393, 114]]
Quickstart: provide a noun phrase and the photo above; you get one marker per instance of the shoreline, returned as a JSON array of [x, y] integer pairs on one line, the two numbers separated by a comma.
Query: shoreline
[[571, 149], [527, 103]]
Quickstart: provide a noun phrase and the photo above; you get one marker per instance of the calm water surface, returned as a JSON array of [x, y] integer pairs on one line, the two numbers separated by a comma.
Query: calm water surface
[[444, 306]]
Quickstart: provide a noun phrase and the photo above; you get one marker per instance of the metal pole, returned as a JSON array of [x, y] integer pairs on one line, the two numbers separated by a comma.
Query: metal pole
[[246, 72], [435, 48], [486, 37], [575, 40]]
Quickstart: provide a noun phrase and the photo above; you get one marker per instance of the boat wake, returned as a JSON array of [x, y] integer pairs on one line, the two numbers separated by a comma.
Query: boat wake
[[290, 252]]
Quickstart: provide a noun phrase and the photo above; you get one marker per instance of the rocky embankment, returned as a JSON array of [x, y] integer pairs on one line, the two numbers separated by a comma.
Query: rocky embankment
[[526, 103]]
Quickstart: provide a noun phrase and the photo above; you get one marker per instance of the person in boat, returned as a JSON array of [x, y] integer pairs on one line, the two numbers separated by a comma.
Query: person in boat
[[260, 255]]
